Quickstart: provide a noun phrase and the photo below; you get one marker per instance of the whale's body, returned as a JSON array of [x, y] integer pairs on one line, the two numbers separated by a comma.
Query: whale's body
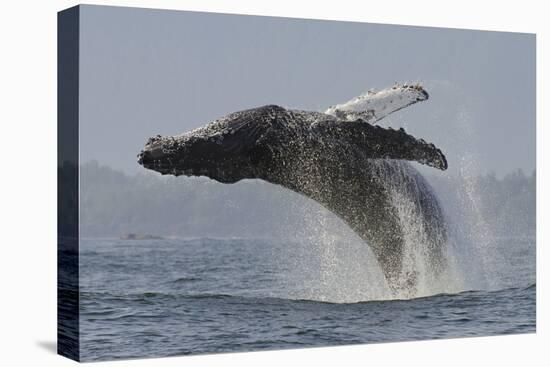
[[350, 166]]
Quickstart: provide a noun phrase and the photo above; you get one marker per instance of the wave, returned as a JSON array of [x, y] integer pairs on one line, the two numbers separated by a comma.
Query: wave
[[152, 296], [185, 280]]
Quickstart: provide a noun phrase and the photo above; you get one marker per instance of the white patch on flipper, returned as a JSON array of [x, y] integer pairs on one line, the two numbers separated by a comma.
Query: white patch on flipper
[[374, 106]]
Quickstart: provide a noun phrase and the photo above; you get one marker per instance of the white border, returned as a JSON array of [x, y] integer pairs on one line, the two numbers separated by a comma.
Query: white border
[[28, 201]]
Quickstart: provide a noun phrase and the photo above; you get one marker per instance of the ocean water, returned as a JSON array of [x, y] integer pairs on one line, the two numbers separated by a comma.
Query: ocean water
[[154, 298]]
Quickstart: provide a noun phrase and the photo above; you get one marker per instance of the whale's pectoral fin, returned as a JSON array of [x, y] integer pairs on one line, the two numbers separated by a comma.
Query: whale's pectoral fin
[[379, 142], [374, 106]]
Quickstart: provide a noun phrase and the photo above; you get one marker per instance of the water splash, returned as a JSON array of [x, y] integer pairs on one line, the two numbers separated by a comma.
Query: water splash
[[326, 261], [334, 265], [481, 259], [418, 262]]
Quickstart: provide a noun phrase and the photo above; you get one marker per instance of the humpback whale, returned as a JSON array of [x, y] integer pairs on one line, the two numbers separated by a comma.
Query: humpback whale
[[341, 158]]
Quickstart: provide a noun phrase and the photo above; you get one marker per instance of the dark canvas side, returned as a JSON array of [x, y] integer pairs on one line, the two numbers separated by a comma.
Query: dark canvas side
[[67, 183]]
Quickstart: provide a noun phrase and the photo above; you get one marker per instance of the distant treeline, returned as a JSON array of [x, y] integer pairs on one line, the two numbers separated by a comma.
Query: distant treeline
[[113, 203]]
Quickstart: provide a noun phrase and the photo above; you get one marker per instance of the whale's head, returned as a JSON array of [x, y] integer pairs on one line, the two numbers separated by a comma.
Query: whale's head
[[260, 142], [226, 150]]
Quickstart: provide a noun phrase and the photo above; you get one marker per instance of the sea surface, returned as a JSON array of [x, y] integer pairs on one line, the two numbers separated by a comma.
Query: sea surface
[[153, 298]]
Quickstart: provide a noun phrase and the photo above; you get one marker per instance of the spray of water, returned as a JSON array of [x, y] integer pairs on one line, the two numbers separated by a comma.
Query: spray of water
[[325, 260], [418, 239], [483, 258]]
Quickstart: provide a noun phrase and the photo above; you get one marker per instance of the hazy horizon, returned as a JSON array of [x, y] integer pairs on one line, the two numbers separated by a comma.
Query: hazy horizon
[[114, 203], [146, 72]]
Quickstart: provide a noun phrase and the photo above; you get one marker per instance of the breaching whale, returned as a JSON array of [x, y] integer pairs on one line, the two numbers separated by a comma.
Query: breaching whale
[[340, 158]]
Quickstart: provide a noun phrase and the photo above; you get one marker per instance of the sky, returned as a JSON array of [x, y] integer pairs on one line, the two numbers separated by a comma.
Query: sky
[[146, 72]]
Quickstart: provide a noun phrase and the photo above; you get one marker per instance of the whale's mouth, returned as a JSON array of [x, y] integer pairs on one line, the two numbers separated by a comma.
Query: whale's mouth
[[192, 155], [168, 164]]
